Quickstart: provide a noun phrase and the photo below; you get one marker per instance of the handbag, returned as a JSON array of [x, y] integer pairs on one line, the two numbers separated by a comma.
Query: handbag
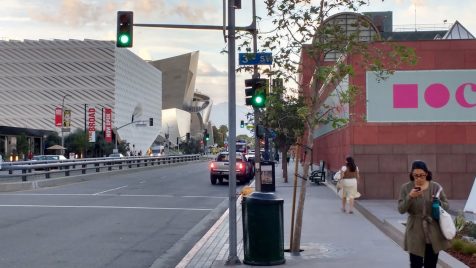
[[338, 177], [447, 225], [445, 220]]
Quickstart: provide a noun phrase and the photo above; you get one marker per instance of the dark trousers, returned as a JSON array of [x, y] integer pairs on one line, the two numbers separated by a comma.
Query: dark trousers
[[429, 261]]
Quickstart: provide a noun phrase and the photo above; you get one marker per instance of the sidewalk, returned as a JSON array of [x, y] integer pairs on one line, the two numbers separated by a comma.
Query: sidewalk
[[330, 238]]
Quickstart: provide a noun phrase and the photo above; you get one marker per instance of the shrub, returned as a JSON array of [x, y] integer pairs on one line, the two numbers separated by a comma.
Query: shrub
[[463, 246], [457, 244], [460, 222]]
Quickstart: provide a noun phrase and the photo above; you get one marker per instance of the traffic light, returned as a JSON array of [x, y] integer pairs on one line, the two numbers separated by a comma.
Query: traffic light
[[124, 28], [207, 136], [256, 92], [242, 123], [151, 121], [187, 137]]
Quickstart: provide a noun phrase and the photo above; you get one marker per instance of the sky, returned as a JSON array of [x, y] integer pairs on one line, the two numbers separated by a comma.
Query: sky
[[96, 19]]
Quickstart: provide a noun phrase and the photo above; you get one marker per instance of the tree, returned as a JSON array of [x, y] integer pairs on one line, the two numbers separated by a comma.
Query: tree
[[23, 147], [282, 117], [222, 134], [77, 142], [301, 29]]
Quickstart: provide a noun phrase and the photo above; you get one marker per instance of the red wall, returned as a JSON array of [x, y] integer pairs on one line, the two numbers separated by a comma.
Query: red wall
[[384, 151]]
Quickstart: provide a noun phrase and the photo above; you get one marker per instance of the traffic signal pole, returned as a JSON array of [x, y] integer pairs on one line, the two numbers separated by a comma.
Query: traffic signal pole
[[254, 33], [233, 256]]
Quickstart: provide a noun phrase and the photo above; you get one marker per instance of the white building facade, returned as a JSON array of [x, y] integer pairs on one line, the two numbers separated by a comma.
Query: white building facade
[[37, 77]]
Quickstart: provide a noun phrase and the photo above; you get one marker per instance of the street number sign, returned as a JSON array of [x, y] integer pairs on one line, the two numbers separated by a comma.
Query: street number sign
[[263, 58]]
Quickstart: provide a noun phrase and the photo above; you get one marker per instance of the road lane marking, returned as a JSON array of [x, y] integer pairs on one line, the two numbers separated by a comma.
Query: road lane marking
[[117, 188], [125, 195], [110, 207]]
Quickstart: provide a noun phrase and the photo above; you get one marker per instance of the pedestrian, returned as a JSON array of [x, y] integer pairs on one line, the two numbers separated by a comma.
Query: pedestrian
[[349, 174], [423, 237]]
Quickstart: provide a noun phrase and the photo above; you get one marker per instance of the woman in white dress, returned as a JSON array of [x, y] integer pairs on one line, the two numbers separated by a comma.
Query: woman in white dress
[[349, 176]]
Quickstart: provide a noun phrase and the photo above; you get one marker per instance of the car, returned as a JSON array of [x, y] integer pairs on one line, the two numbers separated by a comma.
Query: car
[[49, 157], [220, 166], [116, 155]]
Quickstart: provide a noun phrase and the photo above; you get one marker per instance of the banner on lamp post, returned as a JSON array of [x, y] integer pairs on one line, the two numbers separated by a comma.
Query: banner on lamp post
[[108, 125], [66, 120], [92, 124], [58, 117]]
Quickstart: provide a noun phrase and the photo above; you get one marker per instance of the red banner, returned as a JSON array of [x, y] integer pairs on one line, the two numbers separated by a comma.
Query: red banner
[[108, 125], [58, 117]]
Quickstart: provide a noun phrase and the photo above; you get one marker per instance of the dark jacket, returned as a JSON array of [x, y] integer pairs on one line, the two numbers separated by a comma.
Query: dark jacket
[[414, 237]]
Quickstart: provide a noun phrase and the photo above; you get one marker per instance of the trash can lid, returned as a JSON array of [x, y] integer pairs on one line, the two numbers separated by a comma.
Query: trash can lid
[[263, 197]]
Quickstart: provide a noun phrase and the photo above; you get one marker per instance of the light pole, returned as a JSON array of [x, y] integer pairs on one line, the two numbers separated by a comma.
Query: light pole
[[62, 124]]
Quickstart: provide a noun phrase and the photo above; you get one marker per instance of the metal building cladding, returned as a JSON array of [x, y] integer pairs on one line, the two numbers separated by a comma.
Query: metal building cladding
[[425, 111]]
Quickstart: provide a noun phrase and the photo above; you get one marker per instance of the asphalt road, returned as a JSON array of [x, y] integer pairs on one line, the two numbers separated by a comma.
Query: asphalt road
[[120, 219]]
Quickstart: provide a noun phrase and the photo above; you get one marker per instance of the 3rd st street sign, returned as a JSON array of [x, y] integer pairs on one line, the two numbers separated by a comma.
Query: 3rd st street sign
[[264, 58]]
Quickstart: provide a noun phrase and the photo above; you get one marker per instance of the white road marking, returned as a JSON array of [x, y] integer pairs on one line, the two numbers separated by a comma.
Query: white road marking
[[111, 190], [110, 207], [119, 195]]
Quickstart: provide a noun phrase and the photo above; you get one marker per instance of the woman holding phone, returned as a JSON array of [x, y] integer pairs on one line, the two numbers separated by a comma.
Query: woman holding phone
[[423, 237]]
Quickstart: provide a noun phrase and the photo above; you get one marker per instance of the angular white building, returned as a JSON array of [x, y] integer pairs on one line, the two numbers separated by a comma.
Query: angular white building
[[36, 77], [185, 110]]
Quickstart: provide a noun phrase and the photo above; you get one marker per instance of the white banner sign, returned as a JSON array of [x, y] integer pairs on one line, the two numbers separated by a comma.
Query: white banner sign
[[422, 96]]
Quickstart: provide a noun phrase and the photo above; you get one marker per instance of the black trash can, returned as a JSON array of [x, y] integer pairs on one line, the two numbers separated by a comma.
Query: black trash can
[[268, 180], [263, 235]]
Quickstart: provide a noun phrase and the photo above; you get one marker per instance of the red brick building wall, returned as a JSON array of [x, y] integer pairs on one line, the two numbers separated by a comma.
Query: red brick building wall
[[384, 151]]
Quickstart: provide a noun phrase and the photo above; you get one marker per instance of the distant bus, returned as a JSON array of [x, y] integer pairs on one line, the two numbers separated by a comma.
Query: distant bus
[[157, 150], [241, 147]]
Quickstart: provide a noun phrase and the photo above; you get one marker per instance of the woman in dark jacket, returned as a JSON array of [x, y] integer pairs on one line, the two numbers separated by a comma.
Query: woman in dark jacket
[[423, 237]]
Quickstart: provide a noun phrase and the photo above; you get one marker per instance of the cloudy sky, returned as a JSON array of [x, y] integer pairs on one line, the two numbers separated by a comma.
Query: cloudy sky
[[96, 19]]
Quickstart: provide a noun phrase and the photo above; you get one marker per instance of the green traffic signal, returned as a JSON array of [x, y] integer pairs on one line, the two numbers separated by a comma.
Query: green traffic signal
[[256, 93], [259, 99], [124, 40], [124, 28]]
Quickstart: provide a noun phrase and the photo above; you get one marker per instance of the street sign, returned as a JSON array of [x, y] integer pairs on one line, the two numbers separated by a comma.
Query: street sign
[[263, 58]]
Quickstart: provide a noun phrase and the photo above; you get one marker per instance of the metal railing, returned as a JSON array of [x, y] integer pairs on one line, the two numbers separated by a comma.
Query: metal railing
[[48, 168]]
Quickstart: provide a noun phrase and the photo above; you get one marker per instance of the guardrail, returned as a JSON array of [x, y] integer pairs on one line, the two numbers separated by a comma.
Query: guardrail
[[47, 168]]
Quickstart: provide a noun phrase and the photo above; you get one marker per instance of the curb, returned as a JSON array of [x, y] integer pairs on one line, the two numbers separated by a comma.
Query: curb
[[395, 230]]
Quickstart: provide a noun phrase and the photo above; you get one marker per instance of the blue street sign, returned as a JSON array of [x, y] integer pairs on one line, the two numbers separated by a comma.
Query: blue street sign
[[263, 58]]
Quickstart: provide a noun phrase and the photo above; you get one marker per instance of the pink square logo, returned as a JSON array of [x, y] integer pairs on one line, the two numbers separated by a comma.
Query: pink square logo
[[405, 96]]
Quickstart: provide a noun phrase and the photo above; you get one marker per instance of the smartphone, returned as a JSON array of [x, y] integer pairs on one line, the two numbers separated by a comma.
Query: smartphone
[[417, 189]]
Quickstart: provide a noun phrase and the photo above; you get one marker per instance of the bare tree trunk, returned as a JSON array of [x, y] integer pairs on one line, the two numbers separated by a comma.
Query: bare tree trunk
[[296, 244], [296, 170], [284, 162]]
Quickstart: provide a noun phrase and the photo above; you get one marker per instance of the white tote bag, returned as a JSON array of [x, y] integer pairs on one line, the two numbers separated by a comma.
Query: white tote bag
[[447, 224]]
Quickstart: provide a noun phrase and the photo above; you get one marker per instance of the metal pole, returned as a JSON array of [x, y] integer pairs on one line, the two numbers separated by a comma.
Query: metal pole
[[62, 124], [232, 257], [256, 110]]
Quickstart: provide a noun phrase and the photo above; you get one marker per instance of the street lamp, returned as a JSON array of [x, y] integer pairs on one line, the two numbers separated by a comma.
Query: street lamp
[[62, 124]]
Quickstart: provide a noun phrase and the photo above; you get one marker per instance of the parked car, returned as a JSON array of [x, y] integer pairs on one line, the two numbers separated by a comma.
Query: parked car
[[116, 155], [219, 168], [49, 157]]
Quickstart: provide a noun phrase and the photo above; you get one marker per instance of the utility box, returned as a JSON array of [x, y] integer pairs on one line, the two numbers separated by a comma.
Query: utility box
[[268, 180], [263, 235]]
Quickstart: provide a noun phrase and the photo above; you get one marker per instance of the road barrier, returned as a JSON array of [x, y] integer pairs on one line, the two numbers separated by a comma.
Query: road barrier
[[36, 169]]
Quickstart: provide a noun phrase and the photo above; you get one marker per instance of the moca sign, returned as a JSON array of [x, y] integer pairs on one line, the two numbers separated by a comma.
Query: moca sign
[[422, 96]]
